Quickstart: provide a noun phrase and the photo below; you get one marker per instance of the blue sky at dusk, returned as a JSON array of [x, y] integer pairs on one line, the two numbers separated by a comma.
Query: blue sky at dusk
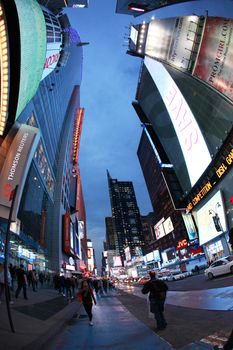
[[111, 128]]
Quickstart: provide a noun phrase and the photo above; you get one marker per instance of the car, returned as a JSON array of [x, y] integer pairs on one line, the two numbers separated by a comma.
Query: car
[[143, 280], [219, 267], [175, 276]]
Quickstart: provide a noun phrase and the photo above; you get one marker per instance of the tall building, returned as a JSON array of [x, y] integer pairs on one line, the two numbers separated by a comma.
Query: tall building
[[168, 225], [125, 216], [148, 222], [110, 236], [188, 104], [37, 150]]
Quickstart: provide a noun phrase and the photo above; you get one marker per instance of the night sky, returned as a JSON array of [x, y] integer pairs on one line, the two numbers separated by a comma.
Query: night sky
[[111, 128]]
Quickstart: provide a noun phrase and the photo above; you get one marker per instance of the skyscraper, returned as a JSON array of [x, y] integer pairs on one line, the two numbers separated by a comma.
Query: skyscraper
[[127, 224], [155, 174]]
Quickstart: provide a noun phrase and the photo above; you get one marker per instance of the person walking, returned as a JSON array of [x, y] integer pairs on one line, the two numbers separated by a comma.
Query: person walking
[[22, 282], [86, 297], [157, 289], [4, 285], [229, 344]]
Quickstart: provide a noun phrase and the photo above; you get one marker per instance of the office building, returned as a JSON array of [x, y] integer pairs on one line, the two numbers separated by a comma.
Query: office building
[[126, 219]]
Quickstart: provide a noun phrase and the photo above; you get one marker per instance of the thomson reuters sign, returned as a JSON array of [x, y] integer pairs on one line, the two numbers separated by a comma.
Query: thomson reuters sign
[[16, 166]]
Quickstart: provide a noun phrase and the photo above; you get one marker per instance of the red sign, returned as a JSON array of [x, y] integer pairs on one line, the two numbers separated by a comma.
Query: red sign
[[51, 60], [182, 244], [66, 233], [231, 200]]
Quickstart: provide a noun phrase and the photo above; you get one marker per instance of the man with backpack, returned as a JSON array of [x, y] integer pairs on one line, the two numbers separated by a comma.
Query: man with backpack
[[158, 290]]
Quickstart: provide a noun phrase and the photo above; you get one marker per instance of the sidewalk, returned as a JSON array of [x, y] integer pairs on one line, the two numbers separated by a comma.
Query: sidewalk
[[47, 321], [35, 320], [114, 328]]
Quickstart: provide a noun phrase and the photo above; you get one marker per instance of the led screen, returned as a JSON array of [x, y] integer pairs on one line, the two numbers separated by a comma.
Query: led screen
[[211, 219], [187, 130], [33, 49], [171, 39], [117, 262], [156, 255], [133, 35], [190, 227], [159, 231], [168, 226]]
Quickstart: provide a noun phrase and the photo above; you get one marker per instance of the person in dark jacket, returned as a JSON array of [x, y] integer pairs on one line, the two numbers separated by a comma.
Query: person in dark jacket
[[229, 344], [86, 297], [157, 297]]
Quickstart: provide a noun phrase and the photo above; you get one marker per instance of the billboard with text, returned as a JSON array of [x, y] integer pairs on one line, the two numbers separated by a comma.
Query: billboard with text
[[214, 61]]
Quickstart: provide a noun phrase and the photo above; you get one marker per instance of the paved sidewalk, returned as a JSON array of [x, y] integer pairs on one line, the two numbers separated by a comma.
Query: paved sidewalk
[[114, 328], [35, 320]]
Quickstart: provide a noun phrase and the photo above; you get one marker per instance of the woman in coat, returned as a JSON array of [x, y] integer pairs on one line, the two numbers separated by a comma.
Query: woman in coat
[[86, 297]]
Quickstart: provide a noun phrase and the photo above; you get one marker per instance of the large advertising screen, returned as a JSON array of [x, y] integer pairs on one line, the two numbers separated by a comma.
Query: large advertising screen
[[33, 49], [211, 219], [192, 143], [172, 40], [214, 61], [190, 226]]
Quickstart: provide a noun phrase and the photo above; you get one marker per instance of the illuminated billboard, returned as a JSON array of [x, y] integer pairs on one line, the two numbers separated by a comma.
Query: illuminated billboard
[[168, 226], [16, 166], [171, 39], [127, 254], [214, 61], [4, 71], [190, 226], [33, 49], [211, 219], [188, 133], [117, 262]]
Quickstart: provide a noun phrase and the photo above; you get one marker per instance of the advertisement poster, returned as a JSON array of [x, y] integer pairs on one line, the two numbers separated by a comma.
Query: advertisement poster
[[214, 62], [172, 40], [211, 219]]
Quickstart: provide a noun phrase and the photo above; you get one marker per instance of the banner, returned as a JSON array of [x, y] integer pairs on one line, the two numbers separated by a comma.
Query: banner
[[172, 40], [66, 233], [16, 166], [214, 61]]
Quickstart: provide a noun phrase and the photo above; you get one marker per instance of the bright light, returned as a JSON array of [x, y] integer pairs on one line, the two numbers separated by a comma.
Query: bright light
[[4, 73]]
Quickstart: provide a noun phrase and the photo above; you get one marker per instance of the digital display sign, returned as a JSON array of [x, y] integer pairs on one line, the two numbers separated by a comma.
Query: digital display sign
[[171, 39], [211, 219], [190, 226], [191, 140], [33, 49], [221, 168]]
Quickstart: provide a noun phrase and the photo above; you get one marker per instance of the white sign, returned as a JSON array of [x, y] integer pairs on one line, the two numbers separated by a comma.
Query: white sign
[[168, 226], [196, 154], [211, 220], [16, 166]]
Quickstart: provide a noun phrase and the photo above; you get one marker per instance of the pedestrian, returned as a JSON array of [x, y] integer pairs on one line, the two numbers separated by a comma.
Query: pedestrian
[[12, 270], [229, 344], [22, 281], [86, 297], [157, 289], [4, 285]]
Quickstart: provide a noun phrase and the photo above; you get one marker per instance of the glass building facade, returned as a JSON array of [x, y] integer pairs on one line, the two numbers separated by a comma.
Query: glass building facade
[[127, 224]]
